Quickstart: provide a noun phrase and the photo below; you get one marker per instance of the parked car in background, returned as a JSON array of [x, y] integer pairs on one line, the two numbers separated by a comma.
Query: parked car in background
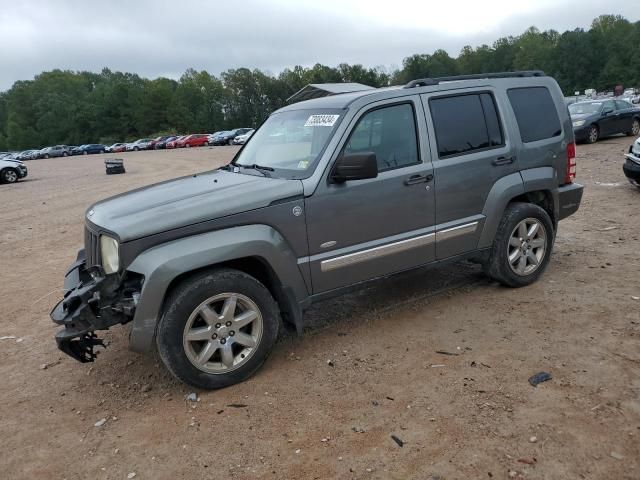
[[56, 151], [599, 118], [226, 138], [11, 170], [174, 143], [27, 155], [141, 144], [631, 167], [162, 144], [242, 139], [89, 148], [195, 140], [116, 147], [157, 140], [212, 136]]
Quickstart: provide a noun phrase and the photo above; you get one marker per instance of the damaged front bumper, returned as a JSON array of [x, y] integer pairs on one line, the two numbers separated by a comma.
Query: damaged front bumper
[[92, 301]]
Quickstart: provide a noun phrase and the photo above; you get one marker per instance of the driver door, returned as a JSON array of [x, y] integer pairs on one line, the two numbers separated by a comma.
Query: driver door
[[363, 229]]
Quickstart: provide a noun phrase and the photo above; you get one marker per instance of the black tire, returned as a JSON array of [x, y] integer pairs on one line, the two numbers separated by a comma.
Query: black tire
[[206, 143], [46, 155], [498, 266], [183, 300], [85, 153], [594, 134], [230, 141], [9, 175], [136, 149], [635, 128], [64, 154]]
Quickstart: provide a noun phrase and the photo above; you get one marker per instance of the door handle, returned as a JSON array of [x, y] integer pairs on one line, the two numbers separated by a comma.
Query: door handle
[[503, 161], [413, 179]]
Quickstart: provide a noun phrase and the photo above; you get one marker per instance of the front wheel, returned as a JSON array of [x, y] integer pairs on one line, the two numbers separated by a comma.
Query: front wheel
[[64, 154], [594, 134], [9, 175], [635, 128], [136, 149], [218, 328], [206, 144], [522, 247], [230, 141]]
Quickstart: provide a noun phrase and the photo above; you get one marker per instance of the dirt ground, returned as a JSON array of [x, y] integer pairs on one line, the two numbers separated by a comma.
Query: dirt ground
[[469, 415]]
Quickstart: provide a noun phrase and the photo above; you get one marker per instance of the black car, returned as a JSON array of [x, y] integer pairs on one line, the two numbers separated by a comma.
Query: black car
[[88, 148], [226, 138], [598, 118]]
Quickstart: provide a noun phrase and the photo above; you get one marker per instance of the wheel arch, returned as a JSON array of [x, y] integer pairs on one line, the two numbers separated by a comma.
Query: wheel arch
[[257, 250], [538, 186]]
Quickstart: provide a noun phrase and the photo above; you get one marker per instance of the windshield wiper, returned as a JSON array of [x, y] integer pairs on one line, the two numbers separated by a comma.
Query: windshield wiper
[[261, 168]]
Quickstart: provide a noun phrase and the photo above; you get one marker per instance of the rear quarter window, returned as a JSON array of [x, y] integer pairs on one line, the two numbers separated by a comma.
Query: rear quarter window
[[535, 112]]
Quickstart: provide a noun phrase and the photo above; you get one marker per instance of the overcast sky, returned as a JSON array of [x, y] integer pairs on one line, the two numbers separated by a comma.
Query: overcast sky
[[163, 38]]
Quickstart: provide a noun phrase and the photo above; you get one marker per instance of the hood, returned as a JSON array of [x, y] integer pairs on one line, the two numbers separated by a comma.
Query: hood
[[186, 201]]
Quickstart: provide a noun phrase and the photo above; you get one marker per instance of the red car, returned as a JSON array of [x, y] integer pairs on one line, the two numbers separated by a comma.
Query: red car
[[174, 143], [195, 140]]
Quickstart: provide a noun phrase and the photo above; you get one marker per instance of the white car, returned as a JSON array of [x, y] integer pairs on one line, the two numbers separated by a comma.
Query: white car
[[142, 144], [242, 139], [11, 170]]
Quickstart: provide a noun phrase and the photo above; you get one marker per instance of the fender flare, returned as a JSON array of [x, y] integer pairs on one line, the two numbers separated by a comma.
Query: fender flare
[[162, 264], [511, 186]]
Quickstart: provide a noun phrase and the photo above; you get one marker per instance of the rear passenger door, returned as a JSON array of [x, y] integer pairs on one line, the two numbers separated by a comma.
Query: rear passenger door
[[470, 153]]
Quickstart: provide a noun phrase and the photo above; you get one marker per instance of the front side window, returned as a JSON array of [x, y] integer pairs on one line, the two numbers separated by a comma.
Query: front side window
[[291, 142], [390, 133], [465, 123], [536, 113]]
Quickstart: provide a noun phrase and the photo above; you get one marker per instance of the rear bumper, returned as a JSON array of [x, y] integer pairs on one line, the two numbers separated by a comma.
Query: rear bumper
[[93, 301], [569, 198]]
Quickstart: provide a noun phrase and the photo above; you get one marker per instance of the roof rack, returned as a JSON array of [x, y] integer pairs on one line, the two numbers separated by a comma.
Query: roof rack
[[424, 82]]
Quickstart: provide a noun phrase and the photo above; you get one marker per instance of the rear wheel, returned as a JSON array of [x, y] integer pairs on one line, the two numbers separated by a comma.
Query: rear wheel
[[46, 155], [64, 154], [522, 246], [206, 143], [218, 329], [136, 149], [85, 153], [594, 134], [635, 128], [230, 141], [9, 175]]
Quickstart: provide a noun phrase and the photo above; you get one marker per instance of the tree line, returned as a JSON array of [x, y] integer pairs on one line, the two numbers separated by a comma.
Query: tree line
[[66, 107]]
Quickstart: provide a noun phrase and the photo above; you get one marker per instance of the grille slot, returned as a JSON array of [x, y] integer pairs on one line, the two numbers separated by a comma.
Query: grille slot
[[92, 248]]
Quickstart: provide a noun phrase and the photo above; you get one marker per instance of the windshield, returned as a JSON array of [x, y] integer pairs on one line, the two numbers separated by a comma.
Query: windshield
[[290, 142], [582, 108]]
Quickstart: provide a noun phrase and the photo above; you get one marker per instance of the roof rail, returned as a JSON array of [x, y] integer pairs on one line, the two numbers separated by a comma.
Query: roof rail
[[424, 82]]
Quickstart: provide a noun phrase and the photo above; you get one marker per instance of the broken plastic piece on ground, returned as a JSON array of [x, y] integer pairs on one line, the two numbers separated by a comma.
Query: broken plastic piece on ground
[[539, 378]]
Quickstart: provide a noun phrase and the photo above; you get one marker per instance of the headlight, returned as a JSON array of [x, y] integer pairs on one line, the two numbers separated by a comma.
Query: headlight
[[109, 254], [578, 123]]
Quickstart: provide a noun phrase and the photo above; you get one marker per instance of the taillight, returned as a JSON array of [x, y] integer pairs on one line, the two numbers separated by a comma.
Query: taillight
[[571, 163]]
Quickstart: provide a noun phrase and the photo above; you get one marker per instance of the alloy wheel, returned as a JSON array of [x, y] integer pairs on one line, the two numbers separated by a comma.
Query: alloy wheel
[[635, 127], [222, 333], [10, 176], [593, 134], [527, 246]]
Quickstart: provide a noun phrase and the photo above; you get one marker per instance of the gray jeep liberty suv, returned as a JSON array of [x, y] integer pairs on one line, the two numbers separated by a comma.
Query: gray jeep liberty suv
[[328, 193]]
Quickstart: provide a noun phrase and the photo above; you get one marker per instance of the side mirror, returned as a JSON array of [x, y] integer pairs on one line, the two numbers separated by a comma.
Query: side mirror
[[607, 111], [355, 166]]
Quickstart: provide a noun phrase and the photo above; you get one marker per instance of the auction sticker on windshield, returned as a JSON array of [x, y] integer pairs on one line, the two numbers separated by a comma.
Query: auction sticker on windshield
[[321, 120]]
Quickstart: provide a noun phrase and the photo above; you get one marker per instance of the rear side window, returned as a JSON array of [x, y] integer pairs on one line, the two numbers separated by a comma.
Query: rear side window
[[535, 113], [465, 123]]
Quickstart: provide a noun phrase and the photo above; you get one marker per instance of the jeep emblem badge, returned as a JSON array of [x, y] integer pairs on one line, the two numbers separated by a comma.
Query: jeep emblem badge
[[297, 210]]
